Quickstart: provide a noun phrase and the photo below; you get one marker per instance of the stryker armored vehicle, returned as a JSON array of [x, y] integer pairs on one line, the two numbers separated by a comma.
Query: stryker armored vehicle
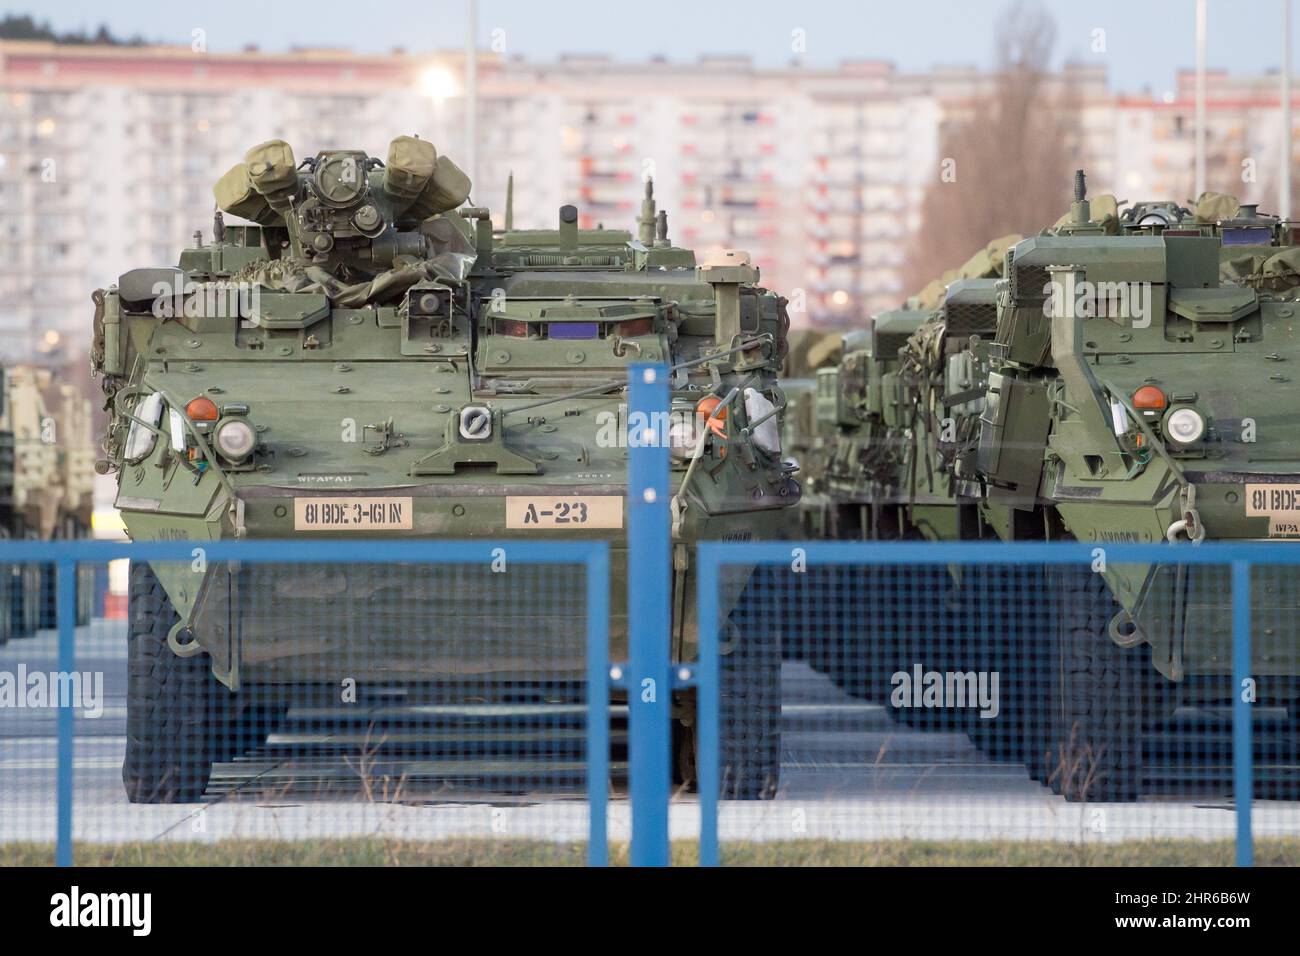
[[1134, 397], [904, 398], [905, 393], [46, 486], [390, 367], [19, 587], [808, 446], [892, 405], [859, 403], [904, 403]]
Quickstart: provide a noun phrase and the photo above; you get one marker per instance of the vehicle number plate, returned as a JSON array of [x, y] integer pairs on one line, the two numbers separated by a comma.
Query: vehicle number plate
[[1277, 502], [352, 514], [575, 511]]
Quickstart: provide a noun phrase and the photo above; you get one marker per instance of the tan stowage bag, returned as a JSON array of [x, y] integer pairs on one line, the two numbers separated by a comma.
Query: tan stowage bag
[[1212, 206], [411, 161], [447, 188], [271, 167], [235, 194]]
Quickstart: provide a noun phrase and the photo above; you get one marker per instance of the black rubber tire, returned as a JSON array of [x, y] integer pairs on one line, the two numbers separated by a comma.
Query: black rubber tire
[[685, 756], [864, 643], [48, 606], [749, 706], [176, 710], [1005, 606], [848, 658], [7, 615], [49, 603], [26, 593], [85, 594], [1102, 696], [926, 616]]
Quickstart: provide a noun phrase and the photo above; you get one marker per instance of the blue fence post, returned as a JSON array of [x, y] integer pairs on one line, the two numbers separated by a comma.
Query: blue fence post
[[649, 602], [707, 703], [66, 610], [598, 706], [1242, 743]]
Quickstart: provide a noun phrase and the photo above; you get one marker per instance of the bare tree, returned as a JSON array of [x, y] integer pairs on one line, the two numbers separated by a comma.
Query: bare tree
[[1007, 157]]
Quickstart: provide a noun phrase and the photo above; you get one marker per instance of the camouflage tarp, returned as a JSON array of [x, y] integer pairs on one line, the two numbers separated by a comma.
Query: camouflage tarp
[[1213, 207], [824, 352], [1264, 270], [987, 263], [387, 288]]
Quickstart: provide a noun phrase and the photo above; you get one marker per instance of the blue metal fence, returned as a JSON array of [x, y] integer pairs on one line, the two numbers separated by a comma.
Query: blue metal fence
[[592, 556], [648, 676], [716, 557], [649, 603]]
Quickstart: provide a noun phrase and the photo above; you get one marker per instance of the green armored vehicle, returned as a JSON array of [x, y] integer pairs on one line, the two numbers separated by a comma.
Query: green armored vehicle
[[46, 488], [19, 587], [1135, 397], [861, 404], [900, 402], [369, 358], [904, 400], [807, 445]]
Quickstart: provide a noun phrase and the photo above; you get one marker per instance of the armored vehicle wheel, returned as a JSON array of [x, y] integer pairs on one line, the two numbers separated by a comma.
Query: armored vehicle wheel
[[749, 714], [175, 707], [6, 604], [24, 595], [858, 640], [250, 729], [47, 608], [1101, 696], [927, 617], [1014, 632]]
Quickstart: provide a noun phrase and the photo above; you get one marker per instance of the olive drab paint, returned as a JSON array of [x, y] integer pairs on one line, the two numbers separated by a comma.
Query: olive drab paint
[[404, 368]]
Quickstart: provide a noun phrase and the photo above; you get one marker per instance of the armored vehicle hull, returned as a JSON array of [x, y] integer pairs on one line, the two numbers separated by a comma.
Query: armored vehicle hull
[[391, 368], [46, 483], [1136, 398]]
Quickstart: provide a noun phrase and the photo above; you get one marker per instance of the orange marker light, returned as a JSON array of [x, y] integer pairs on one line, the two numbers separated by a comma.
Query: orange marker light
[[202, 409], [706, 408], [1149, 398]]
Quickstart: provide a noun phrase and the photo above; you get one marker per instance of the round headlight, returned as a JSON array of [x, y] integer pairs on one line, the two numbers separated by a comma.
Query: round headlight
[[683, 433], [235, 439], [1184, 425]]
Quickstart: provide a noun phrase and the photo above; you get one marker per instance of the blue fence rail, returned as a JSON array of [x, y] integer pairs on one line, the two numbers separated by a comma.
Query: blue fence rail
[[593, 556], [647, 669], [648, 677], [715, 558]]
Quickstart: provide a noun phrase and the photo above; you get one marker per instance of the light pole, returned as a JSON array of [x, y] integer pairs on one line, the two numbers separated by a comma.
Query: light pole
[[1284, 184], [471, 93], [1200, 97]]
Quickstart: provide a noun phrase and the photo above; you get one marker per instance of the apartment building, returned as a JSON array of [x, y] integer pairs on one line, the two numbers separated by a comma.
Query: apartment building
[[108, 155]]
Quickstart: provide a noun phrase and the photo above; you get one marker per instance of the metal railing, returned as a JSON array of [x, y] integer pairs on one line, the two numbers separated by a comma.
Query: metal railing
[[586, 559], [796, 566], [839, 626]]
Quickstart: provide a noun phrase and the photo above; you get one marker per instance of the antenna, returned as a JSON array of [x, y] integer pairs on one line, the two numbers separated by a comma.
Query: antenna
[[510, 200], [646, 221]]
